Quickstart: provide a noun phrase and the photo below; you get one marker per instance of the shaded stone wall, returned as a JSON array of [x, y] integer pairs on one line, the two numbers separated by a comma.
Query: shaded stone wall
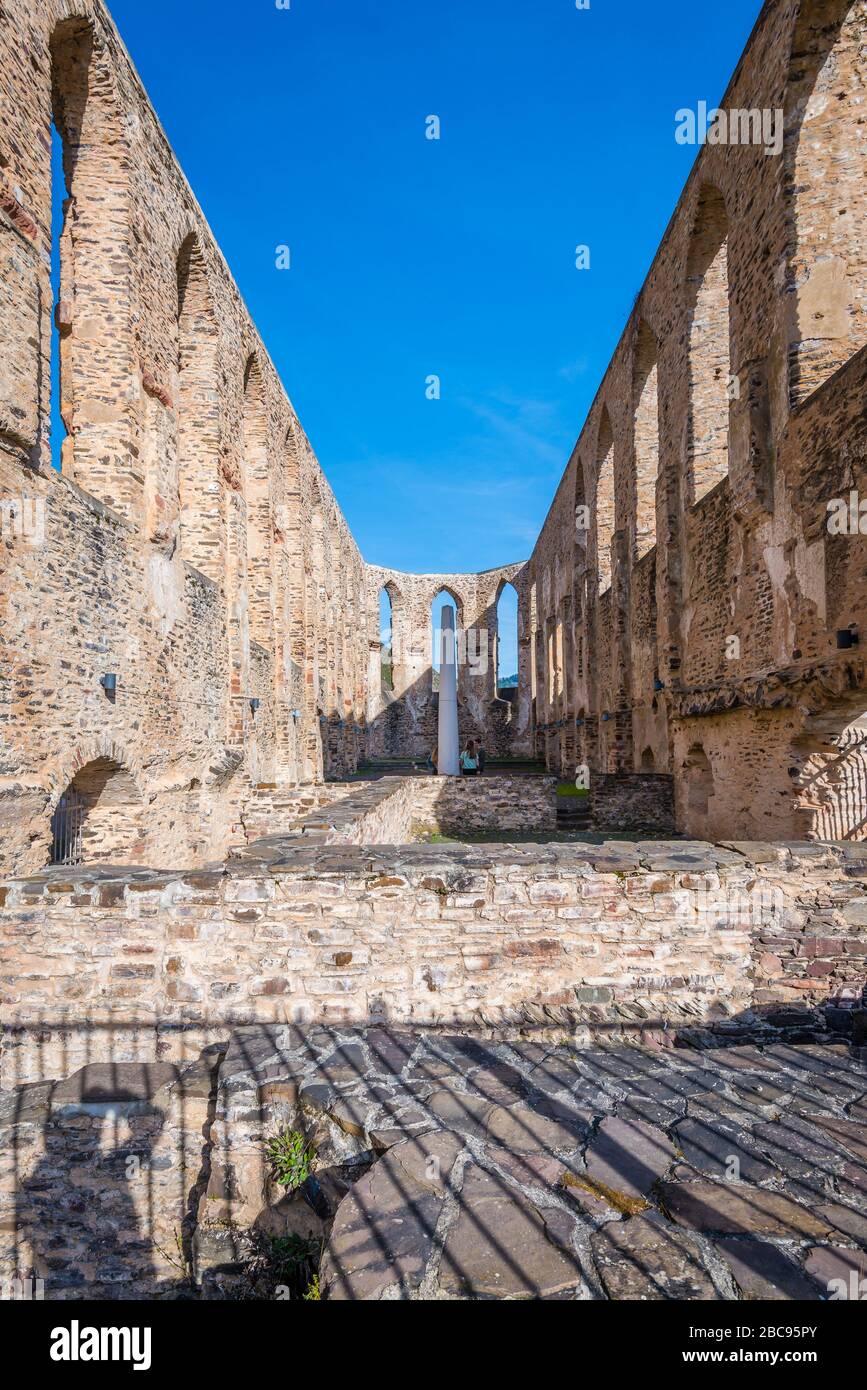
[[633, 801], [703, 592], [403, 720], [191, 544]]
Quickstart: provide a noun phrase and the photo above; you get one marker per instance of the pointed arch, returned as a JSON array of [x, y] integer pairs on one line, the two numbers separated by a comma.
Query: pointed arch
[[645, 404], [709, 345], [604, 502], [506, 649], [98, 363], [199, 486], [443, 596], [826, 168], [257, 493]]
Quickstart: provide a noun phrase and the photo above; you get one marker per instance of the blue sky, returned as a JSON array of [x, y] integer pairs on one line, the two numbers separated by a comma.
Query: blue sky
[[412, 257]]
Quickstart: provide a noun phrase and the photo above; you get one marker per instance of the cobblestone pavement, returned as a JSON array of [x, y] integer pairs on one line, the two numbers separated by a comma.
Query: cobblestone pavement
[[462, 1168]]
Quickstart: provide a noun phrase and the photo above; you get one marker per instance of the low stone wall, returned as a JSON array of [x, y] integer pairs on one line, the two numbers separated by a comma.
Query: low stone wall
[[617, 936], [631, 801], [395, 810], [490, 803]]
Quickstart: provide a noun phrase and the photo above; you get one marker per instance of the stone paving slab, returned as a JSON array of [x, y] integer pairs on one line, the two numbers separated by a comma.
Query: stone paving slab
[[449, 1166], [522, 1169]]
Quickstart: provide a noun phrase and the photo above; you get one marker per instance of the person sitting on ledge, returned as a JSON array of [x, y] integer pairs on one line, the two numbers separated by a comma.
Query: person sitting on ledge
[[469, 760], [433, 759]]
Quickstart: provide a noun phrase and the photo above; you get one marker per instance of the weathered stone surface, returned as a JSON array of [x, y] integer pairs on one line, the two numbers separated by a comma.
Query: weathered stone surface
[[848, 1268], [762, 1271], [500, 1246], [522, 1129], [739, 1209], [647, 1258], [383, 1232], [557, 1170], [720, 1149], [627, 1157]]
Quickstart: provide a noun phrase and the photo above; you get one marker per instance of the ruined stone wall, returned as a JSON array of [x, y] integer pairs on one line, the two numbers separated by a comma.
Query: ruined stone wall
[[633, 801], [423, 933], [403, 719], [492, 804], [191, 544], [703, 586], [397, 810]]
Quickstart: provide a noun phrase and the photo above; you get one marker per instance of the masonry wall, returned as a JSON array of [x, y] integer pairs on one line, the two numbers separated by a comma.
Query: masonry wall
[[704, 587], [403, 719], [99, 967], [634, 801], [191, 544]]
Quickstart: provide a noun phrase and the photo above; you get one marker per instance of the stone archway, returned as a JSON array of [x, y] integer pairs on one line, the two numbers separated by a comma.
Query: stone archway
[[830, 773], [99, 817]]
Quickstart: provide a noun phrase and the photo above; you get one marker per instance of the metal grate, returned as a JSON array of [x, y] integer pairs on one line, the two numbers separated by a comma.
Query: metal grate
[[66, 823]]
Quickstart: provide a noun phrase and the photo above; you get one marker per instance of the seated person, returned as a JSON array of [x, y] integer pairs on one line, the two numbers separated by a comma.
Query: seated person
[[469, 760]]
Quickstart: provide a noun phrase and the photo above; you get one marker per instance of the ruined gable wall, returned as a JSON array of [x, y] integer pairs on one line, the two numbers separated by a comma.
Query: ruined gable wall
[[403, 721]]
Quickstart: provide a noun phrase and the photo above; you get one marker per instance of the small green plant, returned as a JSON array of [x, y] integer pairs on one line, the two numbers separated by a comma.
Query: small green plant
[[289, 1155], [313, 1294]]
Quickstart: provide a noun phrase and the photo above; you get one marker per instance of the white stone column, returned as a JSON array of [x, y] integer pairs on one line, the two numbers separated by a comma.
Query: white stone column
[[448, 741]]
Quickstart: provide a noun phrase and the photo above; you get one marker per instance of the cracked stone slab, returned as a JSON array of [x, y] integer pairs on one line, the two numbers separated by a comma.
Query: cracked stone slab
[[383, 1233], [720, 1149], [628, 1156], [522, 1129], [834, 1263], [738, 1209], [648, 1258], [501, 1247], [763, 1271]]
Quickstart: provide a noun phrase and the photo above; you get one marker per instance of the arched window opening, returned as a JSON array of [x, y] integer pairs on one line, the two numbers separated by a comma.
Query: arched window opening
[[386, 642], [709, 346], [645, 395], [648, 761], [96, 358], [507, 643], [59, 209], [534, 628], [198, 416], [826, 159], [604, 503], [443, 600], [257, 490], [582, 515], [99, 818]]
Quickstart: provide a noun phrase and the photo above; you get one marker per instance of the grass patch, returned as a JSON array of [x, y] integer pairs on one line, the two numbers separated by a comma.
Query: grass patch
[[569, 789]]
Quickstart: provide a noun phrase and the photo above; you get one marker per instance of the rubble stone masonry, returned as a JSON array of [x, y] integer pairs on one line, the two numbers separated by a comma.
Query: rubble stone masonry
[[101, 964], [689, 618]]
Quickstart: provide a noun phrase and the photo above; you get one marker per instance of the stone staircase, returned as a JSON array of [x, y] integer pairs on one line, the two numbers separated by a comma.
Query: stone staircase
[[574, 813]]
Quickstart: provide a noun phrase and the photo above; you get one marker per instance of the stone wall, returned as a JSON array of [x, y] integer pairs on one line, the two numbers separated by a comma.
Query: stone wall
[[489, 803], [633, 801], [99, 964], [191, 544], [396, 810], [403, 719], [698, 602]]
